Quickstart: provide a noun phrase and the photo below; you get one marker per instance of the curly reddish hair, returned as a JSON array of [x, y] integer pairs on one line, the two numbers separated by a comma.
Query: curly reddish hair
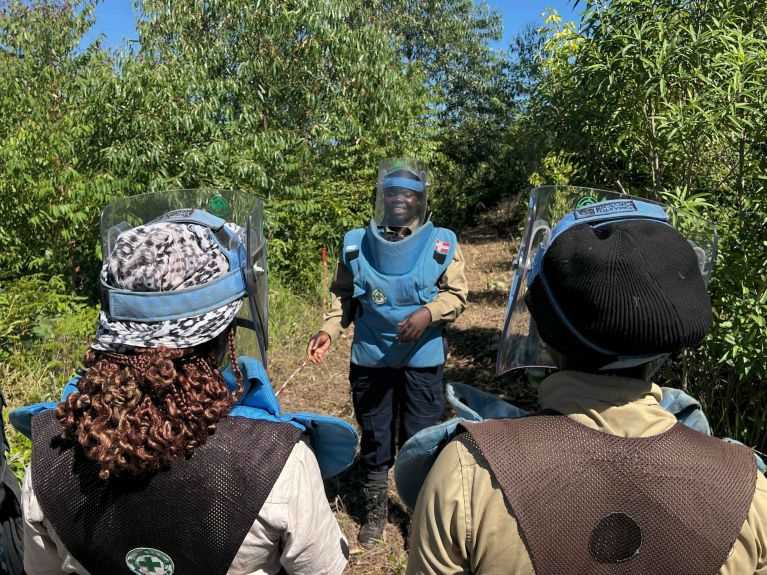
[[137, 412]]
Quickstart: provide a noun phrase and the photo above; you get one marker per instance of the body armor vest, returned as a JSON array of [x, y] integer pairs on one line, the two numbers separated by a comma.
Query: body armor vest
[[196, 513], [391, 281], [591, 503]]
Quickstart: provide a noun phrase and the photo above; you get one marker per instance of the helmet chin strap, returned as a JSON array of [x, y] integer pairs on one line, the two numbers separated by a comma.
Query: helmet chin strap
[[627, 362], [616, 361]]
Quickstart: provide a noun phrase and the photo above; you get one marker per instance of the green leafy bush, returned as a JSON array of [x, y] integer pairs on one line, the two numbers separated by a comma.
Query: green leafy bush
[[667, 101], [44, 333]]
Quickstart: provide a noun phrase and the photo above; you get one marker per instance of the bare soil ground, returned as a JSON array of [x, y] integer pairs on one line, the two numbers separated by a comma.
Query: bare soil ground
[[473, 342]]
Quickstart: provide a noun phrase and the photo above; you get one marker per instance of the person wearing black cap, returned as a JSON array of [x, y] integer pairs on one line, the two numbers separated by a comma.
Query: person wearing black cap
[[400, 280], [602, 479]]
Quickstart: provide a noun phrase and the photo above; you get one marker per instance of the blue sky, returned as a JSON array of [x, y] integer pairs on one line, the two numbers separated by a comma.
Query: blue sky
[[116, 18]]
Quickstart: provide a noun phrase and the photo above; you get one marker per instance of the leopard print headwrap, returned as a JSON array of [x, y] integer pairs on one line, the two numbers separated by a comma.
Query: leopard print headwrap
[[161, 257]]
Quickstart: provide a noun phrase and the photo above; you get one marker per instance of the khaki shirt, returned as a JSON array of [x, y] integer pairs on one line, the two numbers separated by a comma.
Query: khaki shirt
[[295, 529], [461, 523], [446, 306]]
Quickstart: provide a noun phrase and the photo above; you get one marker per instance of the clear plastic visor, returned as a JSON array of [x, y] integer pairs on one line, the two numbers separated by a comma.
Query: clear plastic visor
[[521, 346], [401, 193], [233, 206]]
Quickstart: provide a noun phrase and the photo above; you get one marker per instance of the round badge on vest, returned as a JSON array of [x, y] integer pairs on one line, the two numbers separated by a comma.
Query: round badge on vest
[[148, 561], [378, 296]]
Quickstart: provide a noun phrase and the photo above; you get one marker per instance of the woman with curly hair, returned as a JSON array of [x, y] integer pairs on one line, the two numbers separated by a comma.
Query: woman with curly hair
[[141, 470], [139, 411]]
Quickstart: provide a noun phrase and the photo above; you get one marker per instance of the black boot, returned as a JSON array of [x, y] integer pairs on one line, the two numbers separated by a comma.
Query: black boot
[[377, 507]]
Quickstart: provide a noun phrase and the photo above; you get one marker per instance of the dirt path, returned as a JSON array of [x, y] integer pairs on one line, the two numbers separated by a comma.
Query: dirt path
[[472, 340]]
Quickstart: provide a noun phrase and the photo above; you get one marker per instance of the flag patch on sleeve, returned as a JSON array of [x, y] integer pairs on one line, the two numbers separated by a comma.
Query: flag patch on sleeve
[[441, 247]]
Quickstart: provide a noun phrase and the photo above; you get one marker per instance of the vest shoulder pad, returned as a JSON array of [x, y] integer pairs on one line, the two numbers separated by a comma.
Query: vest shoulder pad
[[445, 244], [352, 246]]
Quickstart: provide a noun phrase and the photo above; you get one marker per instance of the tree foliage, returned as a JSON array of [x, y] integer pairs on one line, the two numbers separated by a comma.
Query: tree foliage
[[293, 101], [665, 99], [297, 101], [52, 178]]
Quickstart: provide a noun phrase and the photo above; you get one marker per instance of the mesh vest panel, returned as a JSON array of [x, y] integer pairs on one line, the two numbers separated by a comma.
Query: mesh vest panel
[[588, 502], [198, 511]]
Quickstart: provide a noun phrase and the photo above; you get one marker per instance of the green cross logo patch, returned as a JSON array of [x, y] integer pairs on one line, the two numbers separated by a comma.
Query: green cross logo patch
[[148, 561], [378, 296]]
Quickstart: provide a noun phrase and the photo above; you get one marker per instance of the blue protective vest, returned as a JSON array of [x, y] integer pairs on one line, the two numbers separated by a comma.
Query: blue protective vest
[[333, 440], [391, 281]]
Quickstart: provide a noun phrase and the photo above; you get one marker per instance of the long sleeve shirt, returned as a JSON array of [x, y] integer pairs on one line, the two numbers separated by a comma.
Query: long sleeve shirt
[[295, 529], [461, 523], [446, 306]]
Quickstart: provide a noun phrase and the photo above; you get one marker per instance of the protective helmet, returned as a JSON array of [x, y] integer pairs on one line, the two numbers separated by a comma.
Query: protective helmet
[[401, 193], [177, 265], [612, 280]]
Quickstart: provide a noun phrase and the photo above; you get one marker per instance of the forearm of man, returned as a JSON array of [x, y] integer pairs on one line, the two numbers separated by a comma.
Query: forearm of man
[[451, 299], [341, 311]]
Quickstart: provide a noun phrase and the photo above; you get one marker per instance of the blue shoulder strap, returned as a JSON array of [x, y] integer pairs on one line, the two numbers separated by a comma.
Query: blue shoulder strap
[[417, 456], [353, 259], [333, 440]]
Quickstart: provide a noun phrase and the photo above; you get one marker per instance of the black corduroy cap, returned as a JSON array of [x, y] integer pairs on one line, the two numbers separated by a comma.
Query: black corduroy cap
[[630, 287]]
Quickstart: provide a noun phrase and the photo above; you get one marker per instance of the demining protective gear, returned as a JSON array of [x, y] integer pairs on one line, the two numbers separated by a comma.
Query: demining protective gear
[[209, 263], [283, 538], [185, 305], [471, 405], [446, 306], [463, 508], [193, 234], [399, 280], [187, 269], [115, 531], [391, 281], [401, 194], [603, 220], [566, 482]]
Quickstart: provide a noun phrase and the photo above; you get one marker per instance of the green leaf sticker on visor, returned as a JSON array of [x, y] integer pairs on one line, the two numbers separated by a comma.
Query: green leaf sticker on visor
[[218, 206], [586, 201]]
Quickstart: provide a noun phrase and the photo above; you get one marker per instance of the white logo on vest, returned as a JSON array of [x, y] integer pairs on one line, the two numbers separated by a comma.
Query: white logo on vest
[[148, 561], [378, 296]]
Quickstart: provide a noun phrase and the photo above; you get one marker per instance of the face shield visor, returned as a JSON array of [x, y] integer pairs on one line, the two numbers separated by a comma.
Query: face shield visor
[[234, 219], [401, 193], [552, 210]]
